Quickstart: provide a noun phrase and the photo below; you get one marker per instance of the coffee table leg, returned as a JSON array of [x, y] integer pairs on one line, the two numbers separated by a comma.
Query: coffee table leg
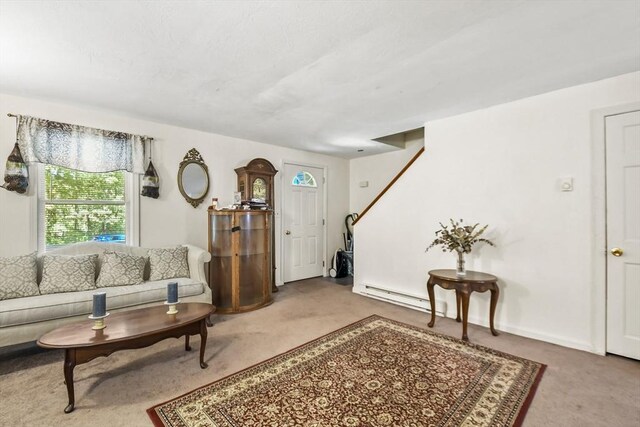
[[187, 347], [69, 364], [495, 293], [203, 342], [432, 302], [465, 313]]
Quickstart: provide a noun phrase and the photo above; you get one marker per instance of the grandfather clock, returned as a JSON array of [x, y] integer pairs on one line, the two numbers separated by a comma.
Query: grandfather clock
[[255, 181]]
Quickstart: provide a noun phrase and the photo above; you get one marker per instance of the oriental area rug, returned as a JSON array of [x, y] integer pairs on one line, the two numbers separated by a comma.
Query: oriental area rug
[[376, 372]]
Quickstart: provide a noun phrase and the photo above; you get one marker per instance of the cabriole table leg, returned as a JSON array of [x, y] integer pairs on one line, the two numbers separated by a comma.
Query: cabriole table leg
[[432, 301], [69, 364], [464, 295], [203, 342], [495, 293]]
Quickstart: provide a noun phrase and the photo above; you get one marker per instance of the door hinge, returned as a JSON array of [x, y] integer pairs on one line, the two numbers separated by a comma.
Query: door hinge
[[323, 263], [323, 221], [324, 180]]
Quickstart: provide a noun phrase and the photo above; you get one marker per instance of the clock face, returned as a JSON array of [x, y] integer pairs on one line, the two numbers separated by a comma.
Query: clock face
[[259, 189]]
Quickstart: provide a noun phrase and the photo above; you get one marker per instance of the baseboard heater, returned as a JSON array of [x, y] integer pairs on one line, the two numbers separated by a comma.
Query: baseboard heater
[[405, 299]]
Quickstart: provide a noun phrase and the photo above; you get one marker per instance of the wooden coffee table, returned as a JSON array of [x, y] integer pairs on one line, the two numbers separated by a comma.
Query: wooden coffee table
[[126, 330]]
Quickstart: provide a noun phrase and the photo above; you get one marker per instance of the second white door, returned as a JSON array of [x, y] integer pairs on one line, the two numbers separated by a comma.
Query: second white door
[[303, 223], [623, 234]]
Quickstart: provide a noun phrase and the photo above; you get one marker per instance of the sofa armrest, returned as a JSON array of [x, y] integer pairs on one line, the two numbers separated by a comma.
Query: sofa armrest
[[196, 259]]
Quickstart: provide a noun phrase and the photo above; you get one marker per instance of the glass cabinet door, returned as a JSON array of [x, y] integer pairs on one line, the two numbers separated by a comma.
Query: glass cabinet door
[[221, 264], [251, 256]]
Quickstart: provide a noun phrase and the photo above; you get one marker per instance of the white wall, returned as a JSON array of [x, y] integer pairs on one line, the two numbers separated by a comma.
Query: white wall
[[169, 219], [500, 166], [378, 170]]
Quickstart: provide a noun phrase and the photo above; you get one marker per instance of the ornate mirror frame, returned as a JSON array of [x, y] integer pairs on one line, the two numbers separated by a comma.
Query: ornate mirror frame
[[193, 157]]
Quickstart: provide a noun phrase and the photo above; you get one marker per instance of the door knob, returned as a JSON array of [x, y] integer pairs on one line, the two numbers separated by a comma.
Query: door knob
[[617, 252], [287, 232]]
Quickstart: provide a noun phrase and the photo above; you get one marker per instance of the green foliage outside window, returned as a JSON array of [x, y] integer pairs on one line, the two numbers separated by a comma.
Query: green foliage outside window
[[68, 216]]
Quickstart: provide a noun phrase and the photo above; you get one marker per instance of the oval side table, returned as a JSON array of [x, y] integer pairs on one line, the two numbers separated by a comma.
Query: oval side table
[[473, 281]]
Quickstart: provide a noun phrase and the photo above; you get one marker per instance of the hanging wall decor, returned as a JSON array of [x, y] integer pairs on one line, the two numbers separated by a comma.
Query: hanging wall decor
[[193, 178], [150, 180], [16, 175]]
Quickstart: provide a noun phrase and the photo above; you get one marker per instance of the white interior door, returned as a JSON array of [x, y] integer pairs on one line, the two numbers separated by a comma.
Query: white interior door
[[623, 234], [302, 222]]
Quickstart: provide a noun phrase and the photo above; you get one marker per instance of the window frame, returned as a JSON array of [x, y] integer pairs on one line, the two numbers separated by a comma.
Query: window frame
[[131, 204]]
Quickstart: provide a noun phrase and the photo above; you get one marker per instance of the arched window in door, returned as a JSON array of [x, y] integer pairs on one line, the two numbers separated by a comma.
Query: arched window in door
[[304, 179]]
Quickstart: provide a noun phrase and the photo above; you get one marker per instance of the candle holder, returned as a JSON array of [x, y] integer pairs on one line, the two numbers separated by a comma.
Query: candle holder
[[172, 307], [98, 322]]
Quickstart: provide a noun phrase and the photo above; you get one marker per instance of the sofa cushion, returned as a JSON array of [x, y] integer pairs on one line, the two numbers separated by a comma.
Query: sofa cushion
[[20, 311], [168, 263], [61, 273], [120, 269], [89, 248], [18, 277]]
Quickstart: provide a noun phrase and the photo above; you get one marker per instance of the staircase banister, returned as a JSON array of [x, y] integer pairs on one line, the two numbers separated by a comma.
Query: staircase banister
[[393, 181]]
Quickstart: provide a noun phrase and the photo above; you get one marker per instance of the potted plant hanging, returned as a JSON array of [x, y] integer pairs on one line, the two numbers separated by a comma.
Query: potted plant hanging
[[459, 238]]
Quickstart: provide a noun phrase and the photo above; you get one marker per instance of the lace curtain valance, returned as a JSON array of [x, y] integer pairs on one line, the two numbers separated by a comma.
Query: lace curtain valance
[[79, 147]]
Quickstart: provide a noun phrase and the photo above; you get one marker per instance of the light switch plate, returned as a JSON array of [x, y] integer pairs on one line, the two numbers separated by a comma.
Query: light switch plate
[[364, 184]]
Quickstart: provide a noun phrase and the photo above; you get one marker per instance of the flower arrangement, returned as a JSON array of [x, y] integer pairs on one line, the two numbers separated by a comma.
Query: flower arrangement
[[459, 237]]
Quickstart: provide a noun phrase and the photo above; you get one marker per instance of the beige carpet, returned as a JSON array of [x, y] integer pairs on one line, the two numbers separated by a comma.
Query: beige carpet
[[578, 388], [375, 372]]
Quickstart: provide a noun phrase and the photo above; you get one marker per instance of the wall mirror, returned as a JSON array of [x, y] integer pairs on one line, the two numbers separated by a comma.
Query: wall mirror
[[193, 178]]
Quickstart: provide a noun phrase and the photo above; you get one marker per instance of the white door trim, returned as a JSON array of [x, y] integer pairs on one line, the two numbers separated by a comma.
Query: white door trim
[[599, 224], [325, 211]]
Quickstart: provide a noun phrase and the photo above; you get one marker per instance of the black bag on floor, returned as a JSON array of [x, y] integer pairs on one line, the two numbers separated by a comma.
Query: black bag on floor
[[339, 265]]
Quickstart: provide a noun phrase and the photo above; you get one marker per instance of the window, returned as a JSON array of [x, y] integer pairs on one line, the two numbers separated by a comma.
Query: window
[[304, 179], [76, 206]]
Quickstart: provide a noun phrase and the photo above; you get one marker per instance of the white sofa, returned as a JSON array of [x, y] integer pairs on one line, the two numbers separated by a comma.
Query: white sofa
[[28, 318]]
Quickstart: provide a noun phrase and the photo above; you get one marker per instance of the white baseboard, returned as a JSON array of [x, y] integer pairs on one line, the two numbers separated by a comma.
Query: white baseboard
[[536, 335], [441, 309]]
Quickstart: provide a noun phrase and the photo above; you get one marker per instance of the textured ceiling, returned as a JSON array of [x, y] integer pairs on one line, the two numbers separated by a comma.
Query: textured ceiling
[[320, 76]]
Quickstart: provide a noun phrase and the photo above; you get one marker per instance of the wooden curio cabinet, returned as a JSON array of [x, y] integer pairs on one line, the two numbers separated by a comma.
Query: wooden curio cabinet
[[240, 271], [255, 180]]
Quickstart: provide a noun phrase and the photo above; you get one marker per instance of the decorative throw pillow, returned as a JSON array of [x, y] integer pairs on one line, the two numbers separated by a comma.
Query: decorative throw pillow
[[120, 269], [62, 273], [18, 277], [168, 263]]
